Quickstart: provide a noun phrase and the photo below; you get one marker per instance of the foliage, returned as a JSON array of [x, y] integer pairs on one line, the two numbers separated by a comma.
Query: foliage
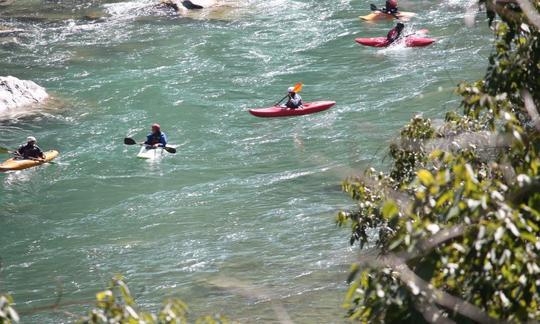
[[8, 314], [116, 305], [458, 216], [409, 154]]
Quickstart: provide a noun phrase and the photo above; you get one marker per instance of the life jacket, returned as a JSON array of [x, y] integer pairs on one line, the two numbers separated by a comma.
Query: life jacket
[[156, 138], [30, 151], [393, 34]]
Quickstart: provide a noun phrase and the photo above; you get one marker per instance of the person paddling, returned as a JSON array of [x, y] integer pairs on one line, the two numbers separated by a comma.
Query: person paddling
[[30, 150], [394, 34], [390, 7], [294, 100], [156, 138]]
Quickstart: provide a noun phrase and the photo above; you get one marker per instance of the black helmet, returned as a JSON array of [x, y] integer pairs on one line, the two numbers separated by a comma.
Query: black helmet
[[400, 25]]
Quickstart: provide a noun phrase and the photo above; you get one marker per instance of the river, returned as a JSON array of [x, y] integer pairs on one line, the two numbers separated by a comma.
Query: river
[[242, 217]]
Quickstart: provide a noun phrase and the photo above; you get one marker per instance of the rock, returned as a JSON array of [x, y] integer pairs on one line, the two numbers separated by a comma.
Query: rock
[[15, 93], [211, 9], [170, 3], [95, 16]]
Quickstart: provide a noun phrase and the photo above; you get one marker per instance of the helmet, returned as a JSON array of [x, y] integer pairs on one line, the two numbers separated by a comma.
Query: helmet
[[156, 126], [290, 89], [400, 25], [392, 3], [31, 139]]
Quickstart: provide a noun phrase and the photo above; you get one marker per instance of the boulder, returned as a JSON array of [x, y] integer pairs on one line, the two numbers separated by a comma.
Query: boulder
[[15, 93], [211, 9]]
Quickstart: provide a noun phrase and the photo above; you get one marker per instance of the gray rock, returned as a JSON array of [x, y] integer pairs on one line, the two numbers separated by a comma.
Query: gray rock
[[15, 93]]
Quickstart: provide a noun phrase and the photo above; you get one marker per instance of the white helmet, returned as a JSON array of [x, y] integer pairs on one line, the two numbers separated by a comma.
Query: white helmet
[[290, 89], [31, 139]]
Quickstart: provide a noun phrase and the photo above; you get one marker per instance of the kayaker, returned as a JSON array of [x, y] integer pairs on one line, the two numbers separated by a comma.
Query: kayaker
[[156, 138], [30, 150], [394, 34], [295, 101], [390, 7]]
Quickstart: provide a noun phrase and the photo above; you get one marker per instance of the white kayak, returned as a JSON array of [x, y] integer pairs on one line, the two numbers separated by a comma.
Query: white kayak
[[151, 153]]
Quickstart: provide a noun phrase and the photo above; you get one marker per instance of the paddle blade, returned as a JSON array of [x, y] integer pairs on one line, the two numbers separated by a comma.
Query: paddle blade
[[373, 7], [3, 150], [170, 149], [298, 87], [129, 141]]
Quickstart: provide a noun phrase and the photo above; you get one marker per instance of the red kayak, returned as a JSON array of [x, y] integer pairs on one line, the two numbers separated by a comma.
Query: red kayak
[[278, 111], [411, 41]]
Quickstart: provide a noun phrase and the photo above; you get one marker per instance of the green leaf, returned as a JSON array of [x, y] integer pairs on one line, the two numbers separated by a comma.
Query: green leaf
[[528, 236], [390, 209], [426, 178]]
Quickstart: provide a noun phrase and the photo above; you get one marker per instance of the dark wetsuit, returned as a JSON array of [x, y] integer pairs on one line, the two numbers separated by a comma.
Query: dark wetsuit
[[294, 101], [389, 9], [30, 151]]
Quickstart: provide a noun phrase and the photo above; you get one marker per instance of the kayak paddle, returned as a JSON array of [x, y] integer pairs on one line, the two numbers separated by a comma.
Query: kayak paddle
[[374, 8], [6, 150], [35, 159], [418, 32], [190, 5], [297, 88], [131, 141]]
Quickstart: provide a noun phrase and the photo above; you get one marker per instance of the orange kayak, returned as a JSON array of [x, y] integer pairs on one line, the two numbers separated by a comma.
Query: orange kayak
[[21, 164], [403, 15]]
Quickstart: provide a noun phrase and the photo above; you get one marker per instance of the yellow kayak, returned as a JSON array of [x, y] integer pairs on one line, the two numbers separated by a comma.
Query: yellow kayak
[[403, 15], [20, 164]]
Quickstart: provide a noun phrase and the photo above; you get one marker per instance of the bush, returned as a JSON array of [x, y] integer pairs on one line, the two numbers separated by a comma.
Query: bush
[[456, 223]]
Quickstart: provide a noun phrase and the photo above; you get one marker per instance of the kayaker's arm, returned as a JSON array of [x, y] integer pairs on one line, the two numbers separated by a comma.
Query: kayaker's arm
[[19, 151], [148, 140], [40, 153], [163, 140]]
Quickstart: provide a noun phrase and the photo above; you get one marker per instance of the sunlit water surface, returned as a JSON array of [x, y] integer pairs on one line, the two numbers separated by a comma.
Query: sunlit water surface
[[246, 202]]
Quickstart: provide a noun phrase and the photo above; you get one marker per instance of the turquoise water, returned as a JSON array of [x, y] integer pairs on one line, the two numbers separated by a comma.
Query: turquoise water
[[242, 218]]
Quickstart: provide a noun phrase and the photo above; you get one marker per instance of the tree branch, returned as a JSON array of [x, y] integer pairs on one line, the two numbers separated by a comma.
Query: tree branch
[[523, 193], [397, 262], [417, 286], [530, 12], [432, 313], [426, 245], [438, 296], [531, 108]]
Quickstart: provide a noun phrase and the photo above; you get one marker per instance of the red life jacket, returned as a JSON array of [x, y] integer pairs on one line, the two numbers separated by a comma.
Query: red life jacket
[[393, 34]]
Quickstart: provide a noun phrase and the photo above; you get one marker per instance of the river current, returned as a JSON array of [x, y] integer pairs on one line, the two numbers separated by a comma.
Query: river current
[[241, 219]]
